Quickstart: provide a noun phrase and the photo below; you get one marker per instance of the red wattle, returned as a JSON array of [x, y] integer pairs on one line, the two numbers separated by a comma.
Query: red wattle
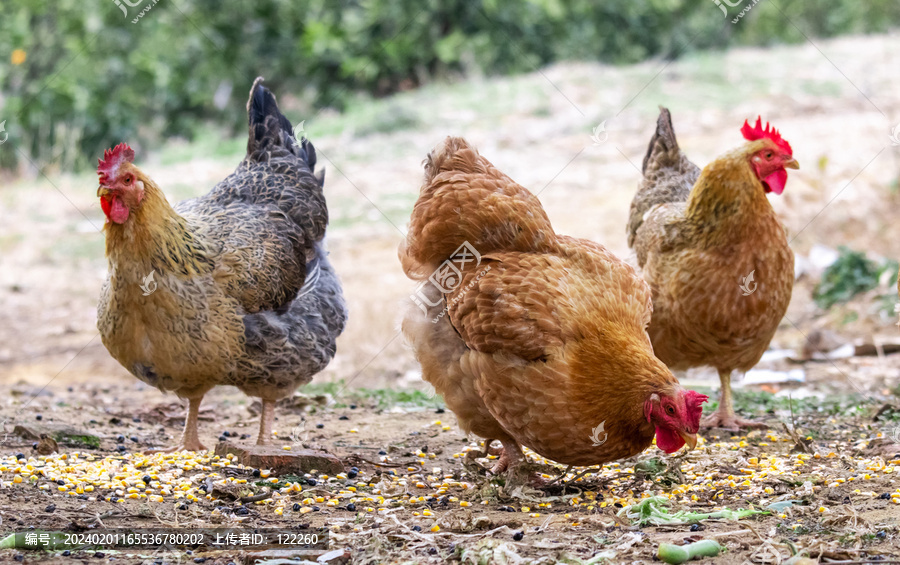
[[106, 206], [776, 181], [119, 211], [668, 440]]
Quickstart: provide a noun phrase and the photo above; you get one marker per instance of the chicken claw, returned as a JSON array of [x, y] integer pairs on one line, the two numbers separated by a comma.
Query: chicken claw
[[731, 422], [190, 441]]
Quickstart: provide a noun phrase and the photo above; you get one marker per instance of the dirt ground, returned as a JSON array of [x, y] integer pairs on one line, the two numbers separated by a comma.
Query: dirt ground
[[836, 460]]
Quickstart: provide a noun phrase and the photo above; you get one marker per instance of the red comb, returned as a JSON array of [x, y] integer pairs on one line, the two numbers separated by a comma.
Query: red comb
[[112, 159], [693, 401], [757, 132]]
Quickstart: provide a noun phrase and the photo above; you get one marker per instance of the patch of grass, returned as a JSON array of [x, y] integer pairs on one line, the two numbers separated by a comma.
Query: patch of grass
[[749, 402], [380, 398], [852, 274]]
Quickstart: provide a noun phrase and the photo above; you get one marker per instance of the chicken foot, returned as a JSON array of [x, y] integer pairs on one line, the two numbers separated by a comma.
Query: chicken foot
[[724, 417], [190, 440], [266, 420]]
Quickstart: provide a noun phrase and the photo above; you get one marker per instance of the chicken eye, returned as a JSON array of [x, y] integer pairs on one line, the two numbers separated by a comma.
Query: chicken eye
[[128, 180], [670, 410], [768, 154]]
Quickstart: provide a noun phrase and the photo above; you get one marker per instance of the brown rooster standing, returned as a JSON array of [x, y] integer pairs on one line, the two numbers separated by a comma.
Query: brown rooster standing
[[715, 254], [230, 288], [533, 338]]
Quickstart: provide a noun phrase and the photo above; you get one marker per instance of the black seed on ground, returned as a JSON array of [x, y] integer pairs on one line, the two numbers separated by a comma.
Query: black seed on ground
[[382, 452], [432, 551], [99, 555], [20, 456], [241, 511], [223, 437], [182, 506], [60, 482], [316, 508], [320, 426], [351, 507], [19, 557], [120, 439], [696, 527], [344, 418], [417, 528], [296, 507], [885, 496], [136, 420], [352, 474], [226, 433], [134, 439], [424, 449], [439, 411], [311, 482], [121, 449], [34, 445], [39, 417], [50, 508], [147, 479], [518, 535], [881, 534], [245, 436], [66, 553], [353, 407], [199, 559], [255, 472], [618, 505]]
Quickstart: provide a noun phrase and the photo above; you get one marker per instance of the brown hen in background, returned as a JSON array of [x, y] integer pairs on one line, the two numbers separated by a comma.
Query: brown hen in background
[[532, 338], [715, 254]]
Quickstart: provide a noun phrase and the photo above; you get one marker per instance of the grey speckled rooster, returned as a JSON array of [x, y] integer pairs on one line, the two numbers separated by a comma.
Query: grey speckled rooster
[[231, 288]]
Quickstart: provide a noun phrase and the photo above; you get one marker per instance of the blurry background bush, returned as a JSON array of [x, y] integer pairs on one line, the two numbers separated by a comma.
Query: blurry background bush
[[159, 77]]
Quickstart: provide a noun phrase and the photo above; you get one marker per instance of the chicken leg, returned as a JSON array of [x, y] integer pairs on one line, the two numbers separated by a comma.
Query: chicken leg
[[266, 419], [190, 440], [724, 416]]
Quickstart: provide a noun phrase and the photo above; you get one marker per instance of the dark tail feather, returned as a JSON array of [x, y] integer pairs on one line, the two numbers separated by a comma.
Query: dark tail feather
[[269, 127], [663, 149]]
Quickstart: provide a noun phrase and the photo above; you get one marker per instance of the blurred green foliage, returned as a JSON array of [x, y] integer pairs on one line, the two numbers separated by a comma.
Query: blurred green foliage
[[92, 78], [850, 275]]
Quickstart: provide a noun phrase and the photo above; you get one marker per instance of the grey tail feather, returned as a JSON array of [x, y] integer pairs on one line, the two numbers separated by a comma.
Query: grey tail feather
[[262, 105], [663, 140]]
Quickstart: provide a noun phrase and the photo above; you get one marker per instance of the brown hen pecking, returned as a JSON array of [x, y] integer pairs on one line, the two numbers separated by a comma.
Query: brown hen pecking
[[230, 288], [715, 254], [532, 338]]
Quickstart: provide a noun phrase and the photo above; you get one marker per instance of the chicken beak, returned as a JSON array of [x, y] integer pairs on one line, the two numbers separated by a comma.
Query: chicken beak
[[791, 164], [102, 191], [689, 439]]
